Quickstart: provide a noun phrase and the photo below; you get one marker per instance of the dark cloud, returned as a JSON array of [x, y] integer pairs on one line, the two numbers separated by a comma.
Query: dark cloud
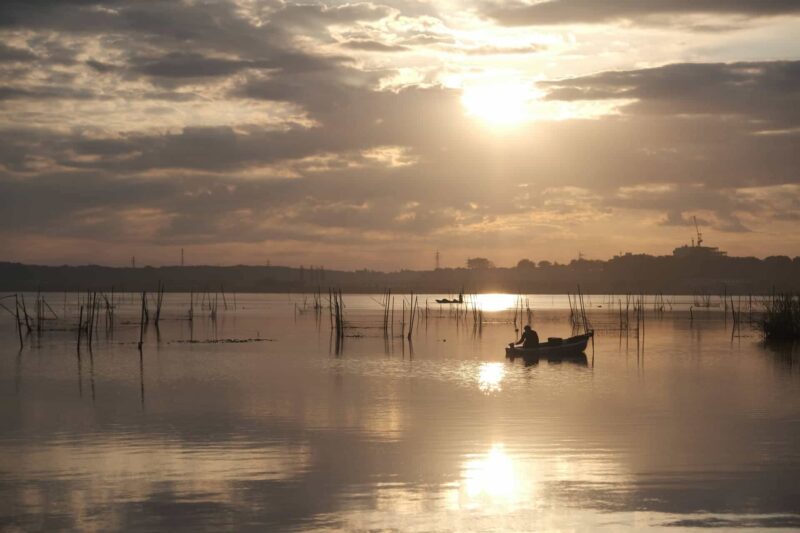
[[45, 93], [190, 65], [10, 54], [100, 66], [548, 12], [372, 46], [318, 16], [767, 91]]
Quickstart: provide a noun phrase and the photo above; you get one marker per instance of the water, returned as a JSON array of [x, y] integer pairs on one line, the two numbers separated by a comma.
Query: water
[[691, 428]]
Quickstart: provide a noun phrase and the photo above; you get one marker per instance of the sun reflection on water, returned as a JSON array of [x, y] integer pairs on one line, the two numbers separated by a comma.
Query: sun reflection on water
[[492, 478], [490, 377], [493, 302]]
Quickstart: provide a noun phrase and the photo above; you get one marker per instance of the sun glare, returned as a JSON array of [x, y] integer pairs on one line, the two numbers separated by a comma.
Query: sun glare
[[491, 477], [500, 104], [490, 375], [493, 302]]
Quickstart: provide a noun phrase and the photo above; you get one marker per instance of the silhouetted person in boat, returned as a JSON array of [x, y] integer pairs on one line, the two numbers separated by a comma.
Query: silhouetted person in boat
[[529, 339]]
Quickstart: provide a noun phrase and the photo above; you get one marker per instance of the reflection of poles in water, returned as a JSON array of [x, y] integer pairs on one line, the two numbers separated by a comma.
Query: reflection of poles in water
[[91, 372], [214, 320], [18, 373], [640, 329], [336, 342], [337, 303], [142, 321], [112, 310], [736, 316], [89, 318], [80, 375], [640, 353], [141, 377], [159, 301], [224, 300], [191, 329], [191, 305], [80, 329]]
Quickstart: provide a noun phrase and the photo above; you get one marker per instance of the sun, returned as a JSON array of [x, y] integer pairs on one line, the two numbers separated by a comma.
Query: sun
[[503, 104]]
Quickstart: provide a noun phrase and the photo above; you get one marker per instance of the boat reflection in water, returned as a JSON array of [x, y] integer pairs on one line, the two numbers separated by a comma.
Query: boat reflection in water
[[577, 360]]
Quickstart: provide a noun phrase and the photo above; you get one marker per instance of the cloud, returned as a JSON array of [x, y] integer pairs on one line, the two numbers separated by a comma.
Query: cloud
[[44, 93], [488, 50], [769, 91], [550, 12], [319, 16], [191, 65], [9, 54], [220, 123], [373, 46]]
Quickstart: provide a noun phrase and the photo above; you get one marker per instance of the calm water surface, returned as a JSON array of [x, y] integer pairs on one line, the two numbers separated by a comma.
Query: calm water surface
[[691, 428]]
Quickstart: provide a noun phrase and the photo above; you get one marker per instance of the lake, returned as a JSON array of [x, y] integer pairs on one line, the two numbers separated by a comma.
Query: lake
[[694, 424]]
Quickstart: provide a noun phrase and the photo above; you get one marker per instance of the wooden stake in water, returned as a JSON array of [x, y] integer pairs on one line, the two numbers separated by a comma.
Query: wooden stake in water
[[411, 317], [25, 314], [159, 301], [19, 323]]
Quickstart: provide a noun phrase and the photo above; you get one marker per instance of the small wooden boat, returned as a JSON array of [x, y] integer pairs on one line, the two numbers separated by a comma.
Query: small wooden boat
[[446, 301], [554, 348]]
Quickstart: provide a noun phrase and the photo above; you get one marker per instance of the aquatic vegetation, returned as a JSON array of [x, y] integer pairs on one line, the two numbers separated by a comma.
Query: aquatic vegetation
[[782, 317]]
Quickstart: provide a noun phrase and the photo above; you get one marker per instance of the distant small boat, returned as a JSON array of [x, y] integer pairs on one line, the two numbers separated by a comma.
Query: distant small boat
[[553, 348], [446, 301]]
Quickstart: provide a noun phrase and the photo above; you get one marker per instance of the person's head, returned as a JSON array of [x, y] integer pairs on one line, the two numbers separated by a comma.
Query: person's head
[[527, 328]]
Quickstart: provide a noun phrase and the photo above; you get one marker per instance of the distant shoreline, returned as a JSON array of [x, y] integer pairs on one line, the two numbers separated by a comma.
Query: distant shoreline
[[622, 274]]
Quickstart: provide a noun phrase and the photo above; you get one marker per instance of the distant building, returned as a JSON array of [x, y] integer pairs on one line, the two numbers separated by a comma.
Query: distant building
[[695, 251]]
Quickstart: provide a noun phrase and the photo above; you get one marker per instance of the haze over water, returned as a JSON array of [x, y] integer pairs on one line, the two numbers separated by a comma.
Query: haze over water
[[690, 428]]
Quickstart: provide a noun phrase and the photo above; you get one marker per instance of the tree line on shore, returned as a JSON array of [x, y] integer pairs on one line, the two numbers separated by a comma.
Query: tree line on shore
[[629, 273]]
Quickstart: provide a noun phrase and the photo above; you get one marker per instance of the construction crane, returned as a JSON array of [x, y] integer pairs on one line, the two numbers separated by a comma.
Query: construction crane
[[697, 229]]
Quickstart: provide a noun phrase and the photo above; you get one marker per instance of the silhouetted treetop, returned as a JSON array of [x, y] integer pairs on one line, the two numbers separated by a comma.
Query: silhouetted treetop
[[479, 263]]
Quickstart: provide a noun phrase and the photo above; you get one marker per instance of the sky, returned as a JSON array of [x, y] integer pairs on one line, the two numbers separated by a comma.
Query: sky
[[371, 134]]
